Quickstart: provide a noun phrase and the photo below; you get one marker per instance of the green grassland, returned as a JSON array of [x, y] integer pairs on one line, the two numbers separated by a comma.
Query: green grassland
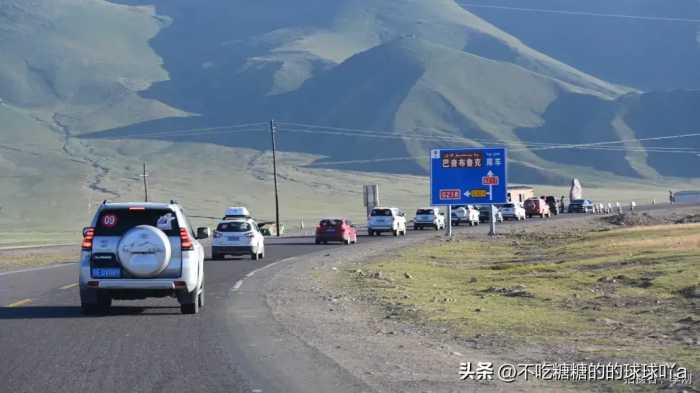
[[622, 294]]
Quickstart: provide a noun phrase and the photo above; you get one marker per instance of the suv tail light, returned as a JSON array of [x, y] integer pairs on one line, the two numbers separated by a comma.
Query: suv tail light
[[185, 240], [88, 236], [249, 235], [217, 234]]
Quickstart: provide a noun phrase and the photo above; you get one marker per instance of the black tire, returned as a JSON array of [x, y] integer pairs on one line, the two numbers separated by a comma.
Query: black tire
[[318, 241], [436, 227], [254, 256], [217, 257], [395, 232], [193, 302], [346, 242], [190, 308], [89, 308], [415, 227], [370, 233]]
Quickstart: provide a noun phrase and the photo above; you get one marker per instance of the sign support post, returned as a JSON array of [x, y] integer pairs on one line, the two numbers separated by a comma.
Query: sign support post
[[449, 221], [492, 232]]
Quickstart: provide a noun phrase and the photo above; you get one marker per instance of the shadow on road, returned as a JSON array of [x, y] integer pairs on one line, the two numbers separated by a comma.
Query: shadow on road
[[59, 312]]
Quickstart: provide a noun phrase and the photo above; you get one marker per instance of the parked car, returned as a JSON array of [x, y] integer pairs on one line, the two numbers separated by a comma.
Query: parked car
[[386, 219], [581, 206], [139, 250], [555, 206], [513, 211], [269, 228], [335, 230], [537, 207], [238, 237], [485, 214], [465, 214], [430, 217]]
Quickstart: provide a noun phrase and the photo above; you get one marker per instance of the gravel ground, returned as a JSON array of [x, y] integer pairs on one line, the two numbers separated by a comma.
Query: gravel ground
[[395, 356], [27, 257]]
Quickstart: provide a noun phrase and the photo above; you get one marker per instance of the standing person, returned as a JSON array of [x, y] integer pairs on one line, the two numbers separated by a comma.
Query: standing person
[[671, 199], [562, 204]]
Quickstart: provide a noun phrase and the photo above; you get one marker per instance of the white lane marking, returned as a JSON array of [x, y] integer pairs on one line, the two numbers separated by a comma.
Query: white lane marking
[[10, 248], [239, 283], [37, 268], [69, 286], [20, 303]]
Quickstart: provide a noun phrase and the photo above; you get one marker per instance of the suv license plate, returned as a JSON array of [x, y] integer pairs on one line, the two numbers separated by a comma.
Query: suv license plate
[[233, 238], [107, 272]]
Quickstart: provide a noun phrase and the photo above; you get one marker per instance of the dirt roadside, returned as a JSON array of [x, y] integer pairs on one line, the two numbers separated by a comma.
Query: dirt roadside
[[393, 355], [37, 256]]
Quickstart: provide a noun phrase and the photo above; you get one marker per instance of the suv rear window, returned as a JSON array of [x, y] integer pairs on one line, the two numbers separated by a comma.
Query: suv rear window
[[381, 213], [425, 212], [116, 222], [331, 223], [234, 227]]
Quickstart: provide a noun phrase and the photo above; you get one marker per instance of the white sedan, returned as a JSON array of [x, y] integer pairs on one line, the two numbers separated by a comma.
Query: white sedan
[[237, 237]]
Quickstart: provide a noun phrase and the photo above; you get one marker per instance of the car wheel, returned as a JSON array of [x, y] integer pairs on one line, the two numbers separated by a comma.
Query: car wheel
[[262, 253], [346, 241], [318, 241], [254, 256], [89, 308], [395, 232], [370, 233], [217, 257]]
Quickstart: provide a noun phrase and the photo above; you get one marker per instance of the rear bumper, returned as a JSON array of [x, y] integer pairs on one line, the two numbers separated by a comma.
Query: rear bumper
[[232, 250], [330, 237], [381, 228]]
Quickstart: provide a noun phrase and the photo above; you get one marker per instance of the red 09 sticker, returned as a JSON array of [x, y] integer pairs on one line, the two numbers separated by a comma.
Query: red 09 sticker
[[109, 220]]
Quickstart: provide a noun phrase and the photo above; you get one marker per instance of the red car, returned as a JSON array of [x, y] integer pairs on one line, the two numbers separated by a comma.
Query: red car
[[336, 230]]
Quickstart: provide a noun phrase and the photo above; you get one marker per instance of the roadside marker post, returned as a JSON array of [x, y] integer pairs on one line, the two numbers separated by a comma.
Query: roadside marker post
[[468, 176]]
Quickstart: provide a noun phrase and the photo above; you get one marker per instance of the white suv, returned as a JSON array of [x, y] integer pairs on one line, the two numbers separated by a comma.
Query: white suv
[[513, 211], [386, 219], [139, 250], [465, 214], [238, 237], [429, 217]]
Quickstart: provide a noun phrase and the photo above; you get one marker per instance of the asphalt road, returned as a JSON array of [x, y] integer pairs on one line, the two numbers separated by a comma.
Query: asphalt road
[[46, 345]]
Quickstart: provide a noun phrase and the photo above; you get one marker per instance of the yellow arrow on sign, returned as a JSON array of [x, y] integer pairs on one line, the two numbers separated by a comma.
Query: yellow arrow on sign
[[479, 193]]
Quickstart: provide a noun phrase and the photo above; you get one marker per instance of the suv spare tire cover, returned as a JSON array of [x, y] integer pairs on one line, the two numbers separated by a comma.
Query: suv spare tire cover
[[144, 251]]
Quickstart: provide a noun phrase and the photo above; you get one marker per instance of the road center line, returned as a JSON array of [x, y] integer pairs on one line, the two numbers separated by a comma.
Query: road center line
[[239, 283], [20, 303]]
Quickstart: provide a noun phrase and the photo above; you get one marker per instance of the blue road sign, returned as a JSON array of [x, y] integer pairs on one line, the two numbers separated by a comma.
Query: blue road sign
[[468, 176]]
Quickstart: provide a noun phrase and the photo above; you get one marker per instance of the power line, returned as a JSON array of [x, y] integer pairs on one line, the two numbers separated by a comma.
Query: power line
[[580, 13], [205, 130]]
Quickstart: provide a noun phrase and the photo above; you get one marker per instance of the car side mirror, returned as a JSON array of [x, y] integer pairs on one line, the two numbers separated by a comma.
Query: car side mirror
[[203, 233]]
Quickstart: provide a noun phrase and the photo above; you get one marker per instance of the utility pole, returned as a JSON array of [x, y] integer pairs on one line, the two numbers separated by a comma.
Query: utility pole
[[273, 133], [145, 182]]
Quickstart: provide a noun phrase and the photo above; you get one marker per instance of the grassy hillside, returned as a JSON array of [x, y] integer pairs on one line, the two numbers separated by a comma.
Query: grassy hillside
[[646, 54], [85, 84]]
